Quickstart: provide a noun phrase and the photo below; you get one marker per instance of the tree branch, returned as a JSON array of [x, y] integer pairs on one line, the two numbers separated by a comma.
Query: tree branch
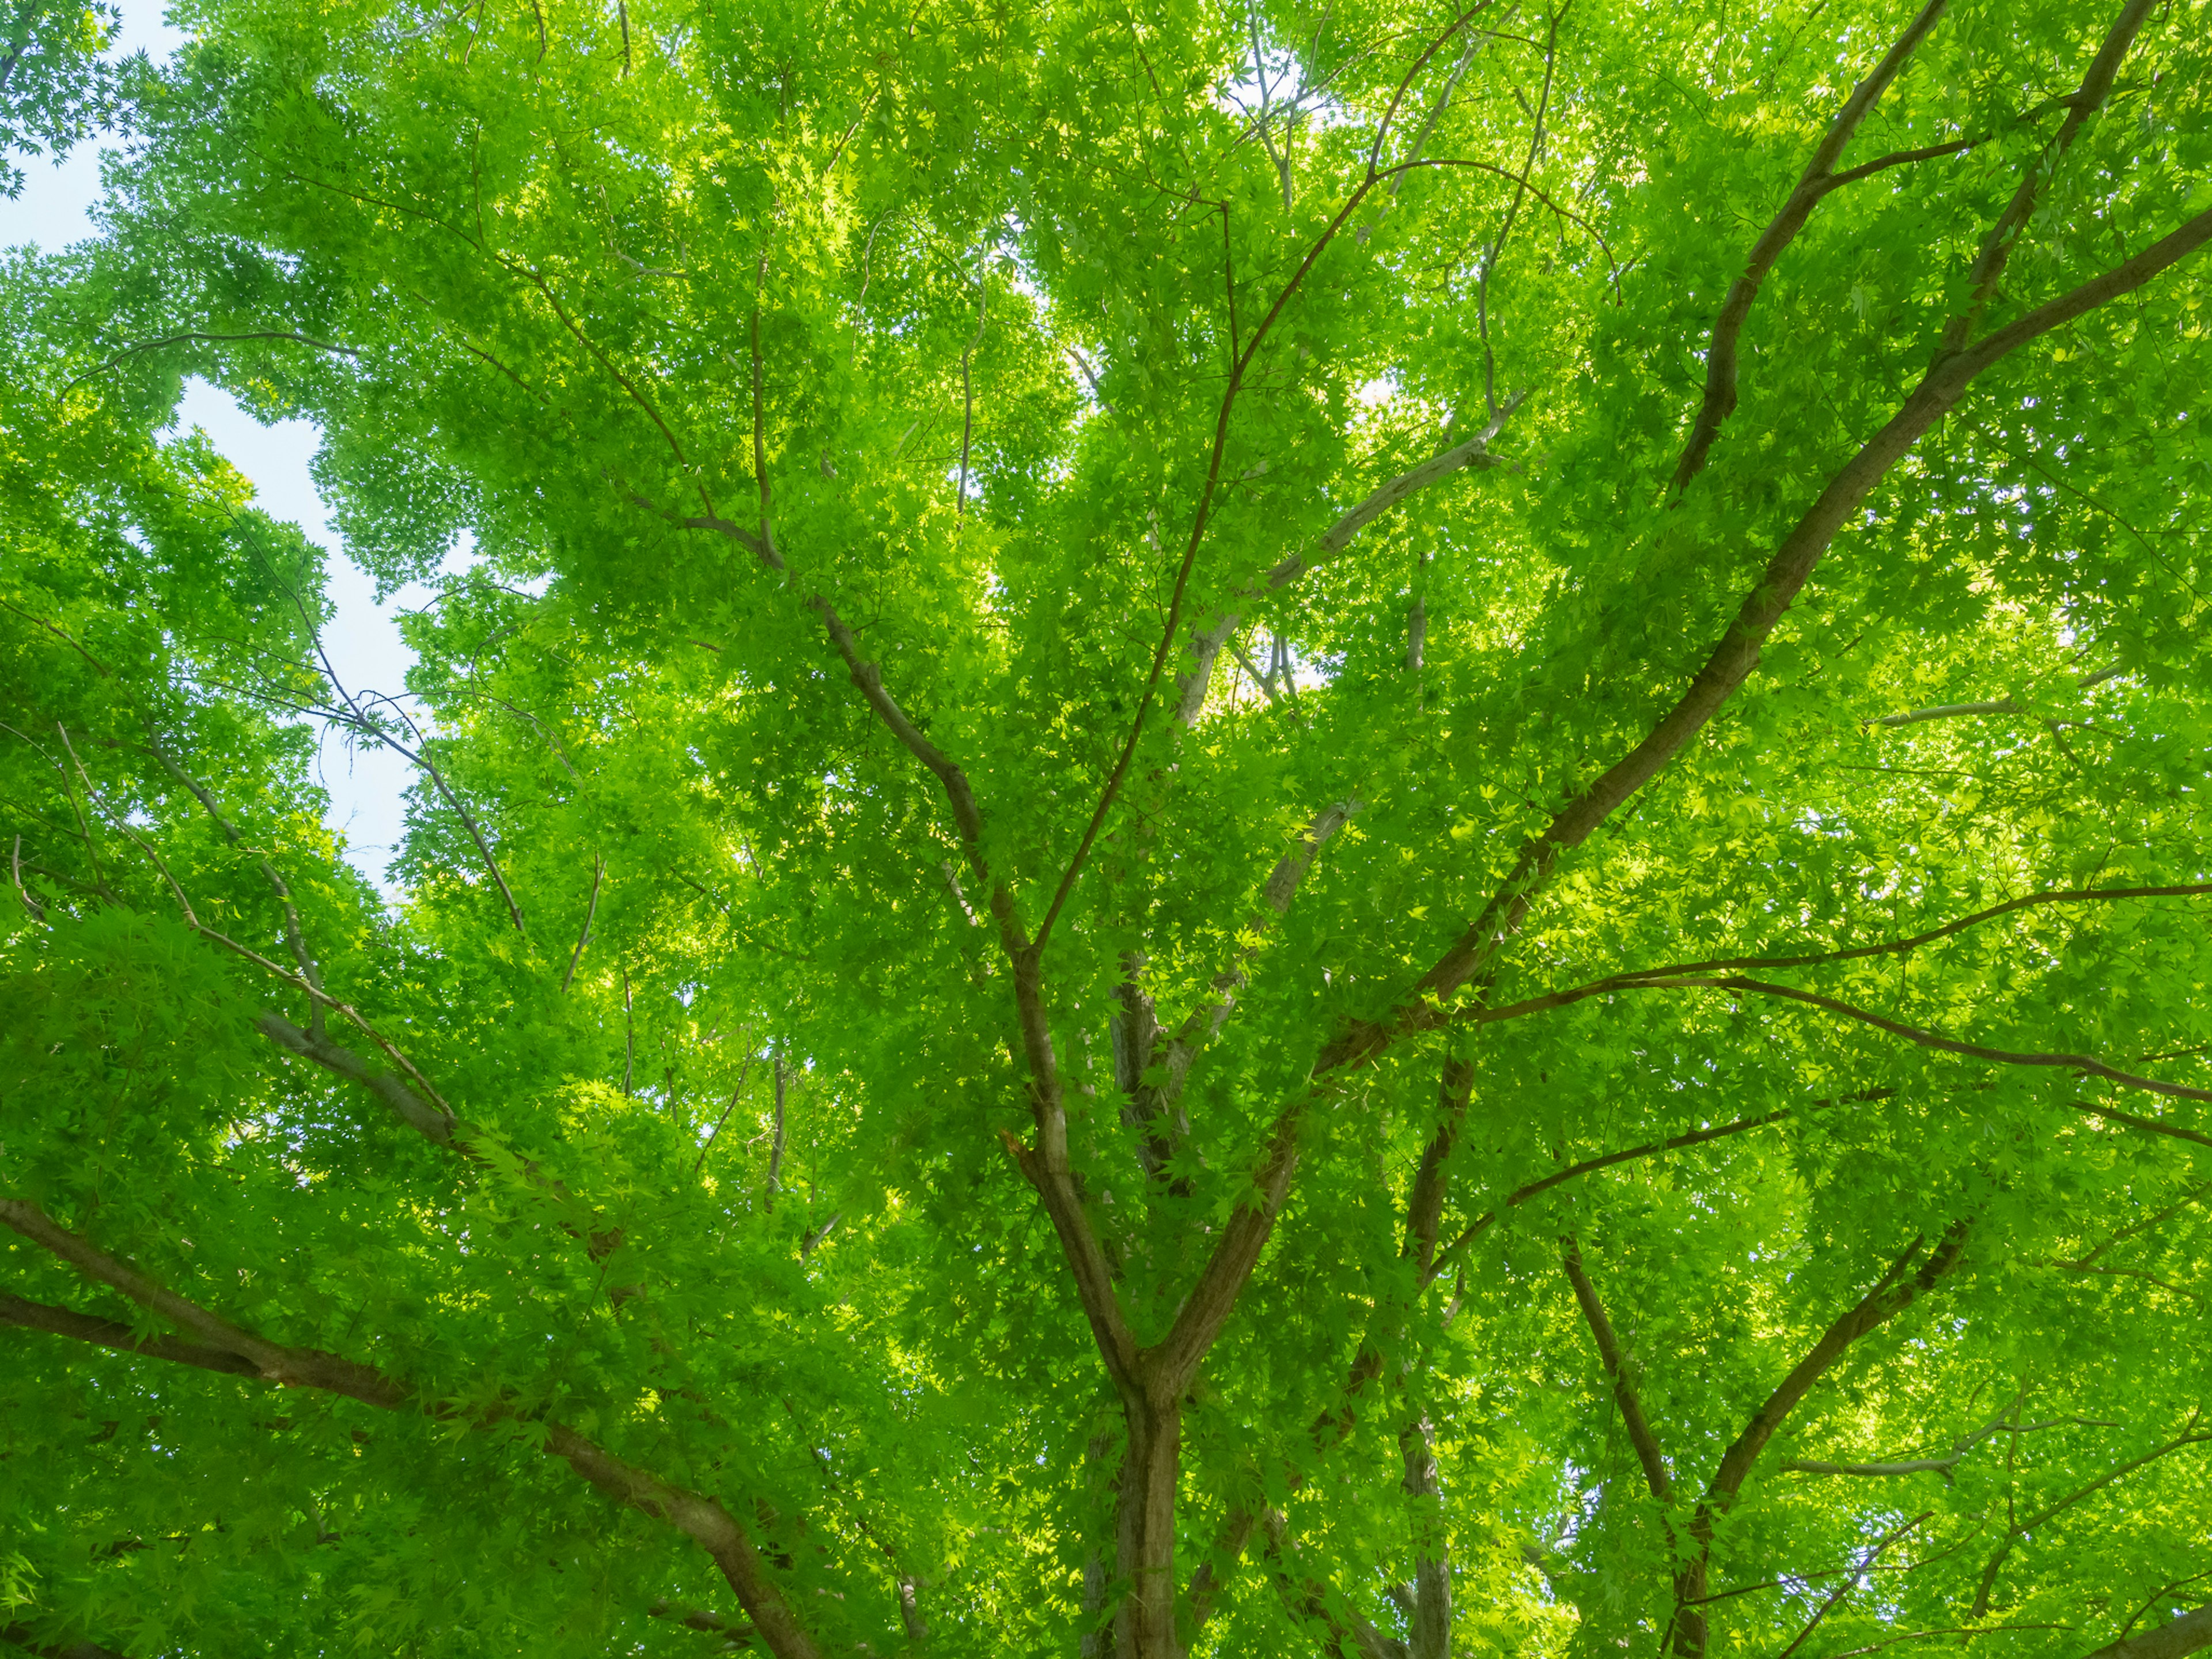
[[1737, 651], [2175, 1639], [1894, 1291], [702, 1518], [2083, 1065], [2189, 1436], [1815, 182], [1997, 244], [1640, 1436], [1991, 706]]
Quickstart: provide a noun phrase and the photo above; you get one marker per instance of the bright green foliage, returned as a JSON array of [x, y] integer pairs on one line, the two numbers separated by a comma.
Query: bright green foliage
[[1113, 658], [55, 88]]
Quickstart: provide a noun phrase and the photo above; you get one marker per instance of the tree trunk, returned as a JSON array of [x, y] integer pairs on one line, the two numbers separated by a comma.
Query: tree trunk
[[1145, 1627], [1430, 1623]]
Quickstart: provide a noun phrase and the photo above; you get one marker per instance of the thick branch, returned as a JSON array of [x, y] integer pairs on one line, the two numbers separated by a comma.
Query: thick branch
[[432, 1122], [1737, 651], [107, 1333], [2175, 1639]]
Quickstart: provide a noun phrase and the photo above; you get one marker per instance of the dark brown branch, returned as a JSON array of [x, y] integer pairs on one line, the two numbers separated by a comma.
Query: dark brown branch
[[2004, 235], [738, 533], [703, 1519], [736, 1094], [2189, 1436], [1900, 159], [2082, 1065], [1895, 1290], [37, 911], [1720, 396], [1737, 651], [1201, 517], [1655, 1474], [1645, 977], [98, 667], [1332, 1425], [1045, 1164], [1153, 1108], [1520, 1195], [2143, 1226], [107, 1333], [432, 1119]]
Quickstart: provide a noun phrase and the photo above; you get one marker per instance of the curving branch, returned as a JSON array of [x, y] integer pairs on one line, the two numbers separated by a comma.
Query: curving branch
[[2082, 1065], [2003, 234], [294, 937], [1989, 706], [1335, 1424], [1651, 978], [702, 1518]]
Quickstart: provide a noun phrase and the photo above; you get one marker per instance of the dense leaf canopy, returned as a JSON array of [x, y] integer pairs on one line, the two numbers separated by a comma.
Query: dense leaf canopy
[[1339, 829]]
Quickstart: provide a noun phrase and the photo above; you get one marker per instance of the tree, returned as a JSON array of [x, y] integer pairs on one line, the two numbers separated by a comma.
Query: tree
[[55, 87], [1316, 828]]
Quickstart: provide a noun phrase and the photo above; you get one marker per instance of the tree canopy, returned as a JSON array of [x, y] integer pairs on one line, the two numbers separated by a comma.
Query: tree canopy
[[1317, 828]]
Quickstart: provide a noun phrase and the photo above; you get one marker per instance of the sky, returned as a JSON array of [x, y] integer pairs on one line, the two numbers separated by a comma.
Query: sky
[[363, 641]]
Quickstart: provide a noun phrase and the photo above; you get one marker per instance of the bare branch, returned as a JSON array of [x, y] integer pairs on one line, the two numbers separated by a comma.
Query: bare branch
[[1851, 1579], [294, 937], [1646, 978], [1473, 453], [2189, 1436], [1993, 706], [1895, 1290]]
